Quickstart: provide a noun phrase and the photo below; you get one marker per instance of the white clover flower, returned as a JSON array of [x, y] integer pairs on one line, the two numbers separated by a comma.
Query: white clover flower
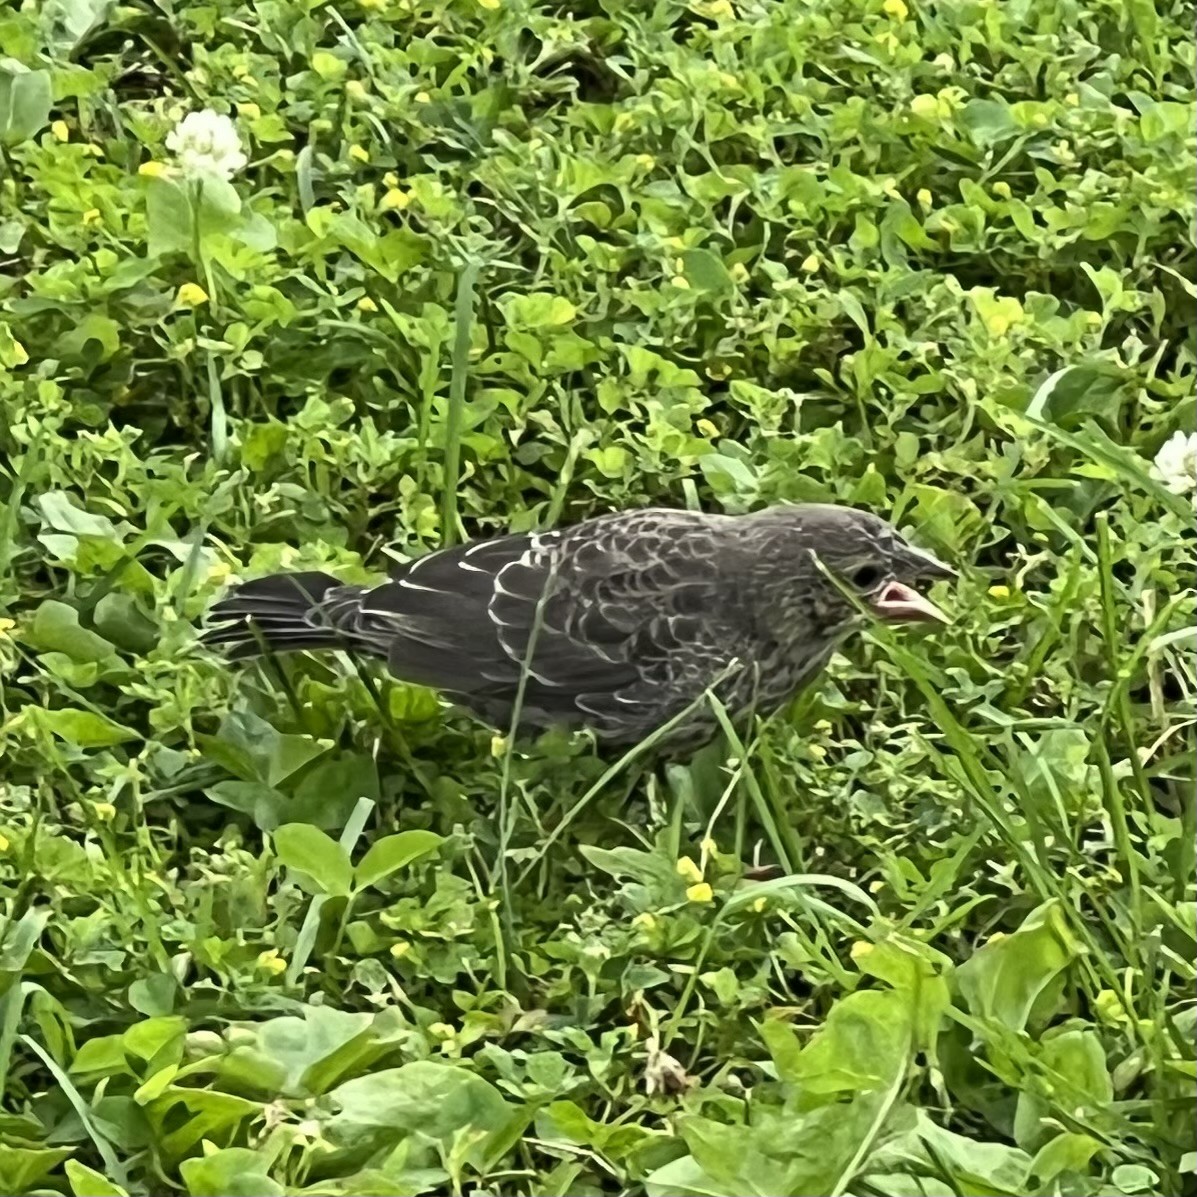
[[1176, 463], [206, 143]]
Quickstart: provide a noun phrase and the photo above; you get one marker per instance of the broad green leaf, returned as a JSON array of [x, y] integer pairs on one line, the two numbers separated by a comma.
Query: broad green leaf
[[86, 1182], [436, 1101], [59, 511], [988, 122], [230, 1172], [55, 628], [391, 853], [705, 271], [309, 850], [25, 99], [22, 1169], [1003, 979], [1067, 1152], [302, 1057], [85, 729], [538, 310], [864, 1043]]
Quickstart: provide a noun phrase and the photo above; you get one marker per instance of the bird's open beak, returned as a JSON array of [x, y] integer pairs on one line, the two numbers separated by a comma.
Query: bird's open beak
[[898, 603]]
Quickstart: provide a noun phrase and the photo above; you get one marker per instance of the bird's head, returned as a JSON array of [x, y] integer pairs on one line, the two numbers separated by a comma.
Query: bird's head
[[822, 554]]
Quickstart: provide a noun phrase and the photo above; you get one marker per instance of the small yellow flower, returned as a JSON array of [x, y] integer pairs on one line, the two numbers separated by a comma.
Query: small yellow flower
[[441, 1030], [355, 89], [924, 197], [645, 921], [4, 843], [271, 962], [860, 948], [875, 887], [400, 948], [739, 272], [6, 626], [104, 811], [190, 295], [701, 892], [945, 62], [647, 161], [366, 304], [1072, 99], [60, 130], [395, 200], [896, 9], [498, 745], [925, 107], [999, 592], [760, 904], [890, 187], [359, 153], [91, 216], [681, 282], [422, 97], [823, 725], [1002, 188], [390, 179], [817, 751], [1109, 1007], [623, 120], [687, 869], [1093, 319], [811, 264], [710, 848], [152, 170], [706, 428]]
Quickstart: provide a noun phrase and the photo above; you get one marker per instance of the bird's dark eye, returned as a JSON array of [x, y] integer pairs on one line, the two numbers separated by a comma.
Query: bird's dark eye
[[866, 577]]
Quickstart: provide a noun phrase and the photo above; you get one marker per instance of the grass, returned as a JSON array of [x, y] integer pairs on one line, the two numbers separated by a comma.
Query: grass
[[298, 929]]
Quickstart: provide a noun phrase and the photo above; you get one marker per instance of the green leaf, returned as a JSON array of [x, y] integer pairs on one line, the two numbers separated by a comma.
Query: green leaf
[[988, 122], [864, 1044], [63, 516], [440, 1102], [230, 1172], [309, 850], [538, 310], [1004, 979], [84, 729], [1067, 1152], [25, 100], [87, 1182], [22, 1169], [705, 271], [391, 853], [55, 628], [170, 223]]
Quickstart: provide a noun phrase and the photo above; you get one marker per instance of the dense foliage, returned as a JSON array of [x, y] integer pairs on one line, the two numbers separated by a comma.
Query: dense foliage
[[497, 264]]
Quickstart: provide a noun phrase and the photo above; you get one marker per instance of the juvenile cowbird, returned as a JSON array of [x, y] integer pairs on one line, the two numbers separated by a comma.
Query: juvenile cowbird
[[618, 623]]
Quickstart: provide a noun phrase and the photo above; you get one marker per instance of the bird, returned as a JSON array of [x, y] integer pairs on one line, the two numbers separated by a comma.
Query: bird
[[620, 623]]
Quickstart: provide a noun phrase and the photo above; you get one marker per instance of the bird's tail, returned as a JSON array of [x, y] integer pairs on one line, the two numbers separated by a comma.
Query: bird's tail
[[281, 613]]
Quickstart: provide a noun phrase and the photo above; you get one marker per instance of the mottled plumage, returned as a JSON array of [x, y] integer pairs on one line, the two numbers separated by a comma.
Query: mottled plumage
[[621, 622]]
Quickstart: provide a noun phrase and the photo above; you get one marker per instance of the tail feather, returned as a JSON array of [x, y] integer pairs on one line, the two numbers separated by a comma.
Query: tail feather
[[282, 613]]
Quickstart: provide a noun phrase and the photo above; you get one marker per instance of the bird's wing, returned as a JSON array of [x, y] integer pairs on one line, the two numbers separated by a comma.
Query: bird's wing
[[601, 617]]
